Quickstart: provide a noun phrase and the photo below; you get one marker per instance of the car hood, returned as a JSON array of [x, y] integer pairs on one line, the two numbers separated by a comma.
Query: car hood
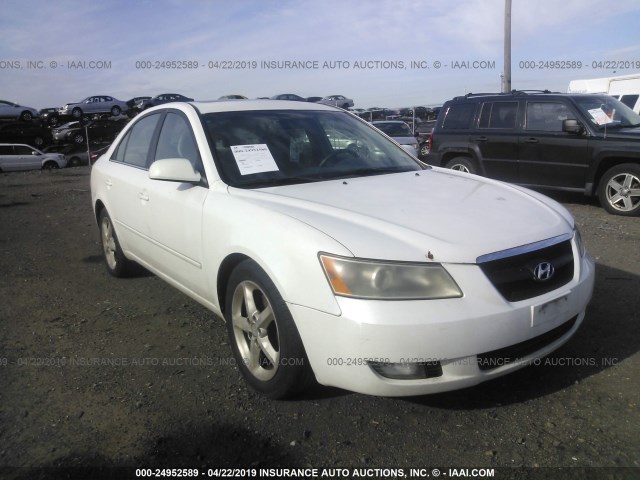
[[623, 133], [438, 214]]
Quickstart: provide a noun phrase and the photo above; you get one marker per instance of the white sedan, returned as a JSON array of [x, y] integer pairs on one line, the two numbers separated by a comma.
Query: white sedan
[[347, 263]]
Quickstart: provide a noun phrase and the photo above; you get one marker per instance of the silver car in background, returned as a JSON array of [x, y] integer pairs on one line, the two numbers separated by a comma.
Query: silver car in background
[[17, 112], [337, 101], [18, 156], [400, 132], [95, 104]]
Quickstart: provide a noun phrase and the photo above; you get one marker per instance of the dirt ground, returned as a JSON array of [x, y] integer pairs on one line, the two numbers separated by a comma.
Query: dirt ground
[[101, 372]]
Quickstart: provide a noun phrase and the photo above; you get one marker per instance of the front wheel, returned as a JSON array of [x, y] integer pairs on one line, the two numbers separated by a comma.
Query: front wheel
[[619, 190], [115, 111], [26, 116], [461, 164], [50, 166], [263, 335], [76, 113], [117, 264]]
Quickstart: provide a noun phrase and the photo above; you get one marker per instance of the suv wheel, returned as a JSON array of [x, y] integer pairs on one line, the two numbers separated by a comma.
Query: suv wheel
[[619, 190], [461, 164]]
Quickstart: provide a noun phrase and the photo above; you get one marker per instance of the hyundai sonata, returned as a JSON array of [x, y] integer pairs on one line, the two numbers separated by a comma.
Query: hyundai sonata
[[345, 262]]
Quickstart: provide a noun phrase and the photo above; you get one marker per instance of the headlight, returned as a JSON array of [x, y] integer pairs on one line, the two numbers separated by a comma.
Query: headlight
[[386, 281], [579, 243]]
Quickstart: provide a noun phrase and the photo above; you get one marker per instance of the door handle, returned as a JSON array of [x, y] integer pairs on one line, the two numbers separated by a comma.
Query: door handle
[[482, 139], [531, 140], [143, 196], [108, 183]]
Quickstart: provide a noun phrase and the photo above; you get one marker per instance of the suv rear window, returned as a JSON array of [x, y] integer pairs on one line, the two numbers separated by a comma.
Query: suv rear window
[[459, 116]]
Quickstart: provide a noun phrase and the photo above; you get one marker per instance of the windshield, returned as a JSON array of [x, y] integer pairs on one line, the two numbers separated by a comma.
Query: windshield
[[607, 112], [266, 148]]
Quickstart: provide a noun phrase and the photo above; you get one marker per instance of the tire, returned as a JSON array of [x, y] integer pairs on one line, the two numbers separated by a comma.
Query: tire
[[53, 121], [117, 264], [263, 336], [115, 111], [462, 164], [26, 116], [424, 149], [38, 141], [78, 138], [50, 166], [76, 113], [74, 162], [619, 190]]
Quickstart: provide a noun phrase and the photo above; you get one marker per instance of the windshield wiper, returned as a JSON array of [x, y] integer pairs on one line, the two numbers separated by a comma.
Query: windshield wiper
[[365, 172], [277, 182]]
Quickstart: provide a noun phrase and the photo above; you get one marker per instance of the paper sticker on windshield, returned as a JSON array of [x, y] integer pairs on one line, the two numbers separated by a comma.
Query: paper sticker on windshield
[[254, 159], [600, 117]]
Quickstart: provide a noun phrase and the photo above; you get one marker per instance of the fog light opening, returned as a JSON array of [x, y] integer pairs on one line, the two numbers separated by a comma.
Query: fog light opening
[[406, 370]]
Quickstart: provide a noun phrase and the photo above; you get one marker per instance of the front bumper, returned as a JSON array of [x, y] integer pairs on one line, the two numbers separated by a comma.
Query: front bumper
[[462, 334]]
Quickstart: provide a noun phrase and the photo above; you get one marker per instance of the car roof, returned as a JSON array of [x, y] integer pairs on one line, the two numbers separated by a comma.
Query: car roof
[[248, 105]]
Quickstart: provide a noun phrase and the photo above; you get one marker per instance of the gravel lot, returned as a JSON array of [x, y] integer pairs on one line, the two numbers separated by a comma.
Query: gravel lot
[[100, 372]]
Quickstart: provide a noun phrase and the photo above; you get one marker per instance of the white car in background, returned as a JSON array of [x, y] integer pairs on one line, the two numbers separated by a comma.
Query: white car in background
[[18, 156], [346, 262]]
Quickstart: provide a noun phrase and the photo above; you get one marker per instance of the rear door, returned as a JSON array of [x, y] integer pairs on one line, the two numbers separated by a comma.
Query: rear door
[[548, 156], [497, 139], [128, 175]]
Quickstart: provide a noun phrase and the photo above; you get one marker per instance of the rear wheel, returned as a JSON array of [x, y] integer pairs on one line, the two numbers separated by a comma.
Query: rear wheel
[[263, 335], [117, 264], [115, 111], [461, 164], [26, 116], [619, 190]]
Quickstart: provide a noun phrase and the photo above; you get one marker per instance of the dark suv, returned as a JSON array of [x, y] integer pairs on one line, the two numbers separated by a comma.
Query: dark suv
[[574, 142]]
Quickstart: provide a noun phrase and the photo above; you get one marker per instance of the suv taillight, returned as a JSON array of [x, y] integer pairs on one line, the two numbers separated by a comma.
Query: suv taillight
[[431, 141]]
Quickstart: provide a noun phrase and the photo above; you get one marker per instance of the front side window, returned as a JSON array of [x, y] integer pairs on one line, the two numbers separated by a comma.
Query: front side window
[[547, 116], [23, 150], [176, 141]]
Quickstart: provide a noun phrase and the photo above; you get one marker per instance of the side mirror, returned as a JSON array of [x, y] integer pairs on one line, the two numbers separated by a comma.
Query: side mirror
[[572, 126], [174, 170]]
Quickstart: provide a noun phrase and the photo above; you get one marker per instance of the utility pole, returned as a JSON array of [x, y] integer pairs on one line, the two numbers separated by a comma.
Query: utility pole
[[506, 79]]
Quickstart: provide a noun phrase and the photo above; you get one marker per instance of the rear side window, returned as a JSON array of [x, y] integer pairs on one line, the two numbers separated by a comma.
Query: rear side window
[[498, 115], [134, 147], [459, 116]]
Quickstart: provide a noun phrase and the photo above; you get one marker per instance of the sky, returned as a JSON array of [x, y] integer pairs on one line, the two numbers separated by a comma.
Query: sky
[[383, 53]]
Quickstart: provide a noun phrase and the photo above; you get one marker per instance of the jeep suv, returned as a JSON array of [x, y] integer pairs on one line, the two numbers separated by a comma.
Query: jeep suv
[[575, 142]]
